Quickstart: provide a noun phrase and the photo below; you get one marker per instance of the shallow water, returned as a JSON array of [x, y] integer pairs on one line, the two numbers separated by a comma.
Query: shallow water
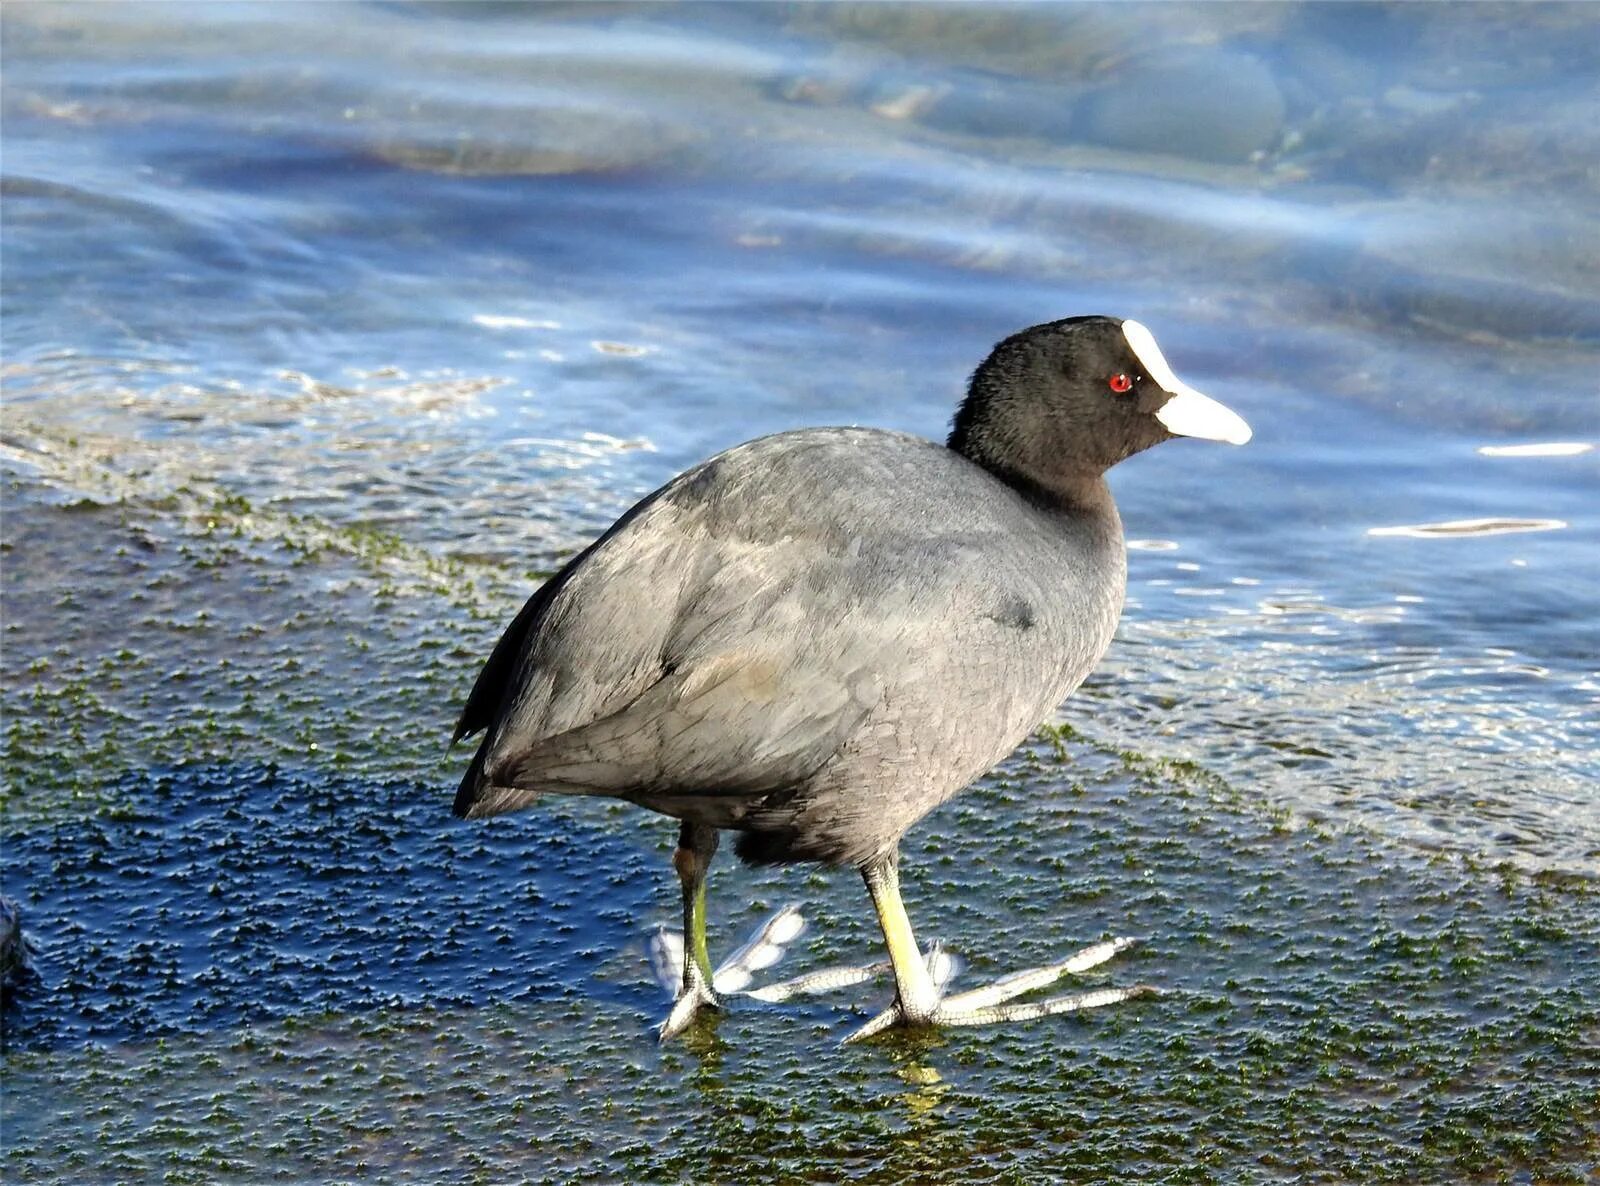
[[329, 330]]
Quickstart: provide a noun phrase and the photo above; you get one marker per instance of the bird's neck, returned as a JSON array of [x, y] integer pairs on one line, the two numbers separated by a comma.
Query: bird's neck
[[1046, 468], [1074, 490], [1085, 494]]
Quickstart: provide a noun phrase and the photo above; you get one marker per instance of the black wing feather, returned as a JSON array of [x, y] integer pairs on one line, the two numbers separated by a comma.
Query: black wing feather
[[495, 680], [489, 689]]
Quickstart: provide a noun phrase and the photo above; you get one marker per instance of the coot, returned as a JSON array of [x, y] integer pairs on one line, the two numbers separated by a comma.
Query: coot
[[815, 638]]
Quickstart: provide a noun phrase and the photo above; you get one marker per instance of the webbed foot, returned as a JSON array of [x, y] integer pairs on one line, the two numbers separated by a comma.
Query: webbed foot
[[985, 1005], [685, 980]]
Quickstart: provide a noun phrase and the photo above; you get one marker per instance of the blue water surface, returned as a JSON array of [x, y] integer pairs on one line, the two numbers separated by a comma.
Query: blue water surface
[[445, 287]]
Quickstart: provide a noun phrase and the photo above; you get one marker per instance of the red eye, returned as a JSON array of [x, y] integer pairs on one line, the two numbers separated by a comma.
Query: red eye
[[1121, 384]]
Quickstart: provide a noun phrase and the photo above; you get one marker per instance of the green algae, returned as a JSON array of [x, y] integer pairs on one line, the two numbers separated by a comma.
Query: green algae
[[1333, 1007], [212, 649], [1336, 1007]]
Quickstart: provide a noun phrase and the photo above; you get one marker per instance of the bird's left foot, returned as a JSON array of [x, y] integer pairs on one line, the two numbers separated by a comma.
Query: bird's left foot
[[978, 1006], [985, 1006], [763, 949]]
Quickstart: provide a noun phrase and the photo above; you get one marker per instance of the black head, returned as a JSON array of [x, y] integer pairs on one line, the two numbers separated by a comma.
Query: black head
[[1063, 402]]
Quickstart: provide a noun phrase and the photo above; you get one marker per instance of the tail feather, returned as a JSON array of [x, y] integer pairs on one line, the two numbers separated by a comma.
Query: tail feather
[[478, 797], [494, 799], [467, 792], [516, 780]]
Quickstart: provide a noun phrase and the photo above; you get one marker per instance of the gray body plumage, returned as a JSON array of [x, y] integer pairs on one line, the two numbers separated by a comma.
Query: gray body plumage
[[814, 638]]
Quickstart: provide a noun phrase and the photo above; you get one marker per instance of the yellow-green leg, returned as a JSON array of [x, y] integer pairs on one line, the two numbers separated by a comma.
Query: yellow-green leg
[[697, 843], [918, 998]]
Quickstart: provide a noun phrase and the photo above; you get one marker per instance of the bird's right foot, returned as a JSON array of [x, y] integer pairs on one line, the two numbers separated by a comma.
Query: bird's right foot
[[691, 998], [684, 979]]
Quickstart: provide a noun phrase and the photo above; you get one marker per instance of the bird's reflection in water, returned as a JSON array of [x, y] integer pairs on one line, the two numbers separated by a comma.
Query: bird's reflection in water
[[899, 1098], [708, 1049], [928, 1089]]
